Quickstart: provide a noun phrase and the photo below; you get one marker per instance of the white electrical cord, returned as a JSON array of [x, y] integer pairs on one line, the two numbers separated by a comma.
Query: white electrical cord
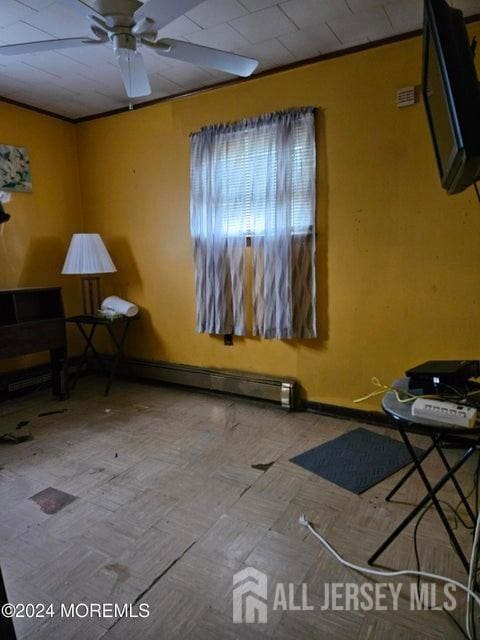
[[471, 575], [303, 520]]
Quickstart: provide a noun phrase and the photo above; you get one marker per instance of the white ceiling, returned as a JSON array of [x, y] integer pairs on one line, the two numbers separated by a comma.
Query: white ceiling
[[84, 81]]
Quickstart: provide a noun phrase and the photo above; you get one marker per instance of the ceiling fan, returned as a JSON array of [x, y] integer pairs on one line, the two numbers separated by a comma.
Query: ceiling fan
[[130, 23]]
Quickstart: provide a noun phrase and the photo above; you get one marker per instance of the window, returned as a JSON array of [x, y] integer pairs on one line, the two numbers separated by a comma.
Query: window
[[255, 179]]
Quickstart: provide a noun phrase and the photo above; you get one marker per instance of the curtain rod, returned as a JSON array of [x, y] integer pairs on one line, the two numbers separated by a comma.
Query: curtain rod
[[265, 118]]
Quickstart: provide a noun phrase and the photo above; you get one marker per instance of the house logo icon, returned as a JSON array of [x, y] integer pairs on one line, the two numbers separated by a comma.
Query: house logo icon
[[250, 596]]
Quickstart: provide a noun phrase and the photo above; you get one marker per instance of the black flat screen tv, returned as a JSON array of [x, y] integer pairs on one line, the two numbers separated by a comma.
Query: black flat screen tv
[[451, 94]]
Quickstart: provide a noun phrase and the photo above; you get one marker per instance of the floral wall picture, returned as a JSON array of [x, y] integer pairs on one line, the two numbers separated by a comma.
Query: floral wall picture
[[15, 172]]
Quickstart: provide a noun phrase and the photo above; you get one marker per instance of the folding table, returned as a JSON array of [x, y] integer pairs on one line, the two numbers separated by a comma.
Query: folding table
[[96, 321], [442, 436]]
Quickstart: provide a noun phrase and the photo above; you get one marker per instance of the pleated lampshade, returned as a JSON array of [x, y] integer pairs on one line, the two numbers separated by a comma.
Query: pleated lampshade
[[87, 255]]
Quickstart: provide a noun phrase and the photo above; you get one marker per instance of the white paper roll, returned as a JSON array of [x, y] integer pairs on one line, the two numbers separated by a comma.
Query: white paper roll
[[116, 304]]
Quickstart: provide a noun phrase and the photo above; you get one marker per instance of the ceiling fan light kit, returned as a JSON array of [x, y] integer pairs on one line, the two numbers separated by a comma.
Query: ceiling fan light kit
[[126, 24]]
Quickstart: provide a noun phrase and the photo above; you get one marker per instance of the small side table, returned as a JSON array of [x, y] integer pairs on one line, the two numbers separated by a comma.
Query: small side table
[[83, 322], [442, 435]]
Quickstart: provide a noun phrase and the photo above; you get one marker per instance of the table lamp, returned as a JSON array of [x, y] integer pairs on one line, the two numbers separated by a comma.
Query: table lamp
[[88, 257]]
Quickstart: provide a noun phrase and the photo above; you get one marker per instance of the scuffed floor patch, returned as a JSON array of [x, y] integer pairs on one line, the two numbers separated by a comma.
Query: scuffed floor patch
[[51, 500]]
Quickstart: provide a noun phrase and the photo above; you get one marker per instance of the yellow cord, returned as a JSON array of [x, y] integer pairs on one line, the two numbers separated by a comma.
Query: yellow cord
[[402, 395], [376, 382]]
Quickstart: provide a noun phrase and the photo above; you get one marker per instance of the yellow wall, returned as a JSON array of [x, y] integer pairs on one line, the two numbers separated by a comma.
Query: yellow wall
[[398, 260], [33, 243]]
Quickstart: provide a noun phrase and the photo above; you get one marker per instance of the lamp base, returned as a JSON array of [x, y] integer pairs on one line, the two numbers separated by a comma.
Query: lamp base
[[90, 294]]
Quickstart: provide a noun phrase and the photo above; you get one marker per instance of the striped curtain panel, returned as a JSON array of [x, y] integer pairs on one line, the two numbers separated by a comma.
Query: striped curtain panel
[[218, 240], [283, 233], [255, 179]]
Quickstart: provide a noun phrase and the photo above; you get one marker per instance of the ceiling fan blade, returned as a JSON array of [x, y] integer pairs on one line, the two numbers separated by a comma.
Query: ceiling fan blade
[[165, 11], [134, 74], [46, 45], [81, 7], [145, 26], [204, 56]]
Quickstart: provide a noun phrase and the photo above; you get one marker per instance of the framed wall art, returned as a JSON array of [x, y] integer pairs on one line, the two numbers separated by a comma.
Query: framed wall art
[[15, 174]]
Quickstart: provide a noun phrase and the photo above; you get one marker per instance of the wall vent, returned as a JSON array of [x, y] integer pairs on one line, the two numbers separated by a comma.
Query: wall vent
[[406, 97]]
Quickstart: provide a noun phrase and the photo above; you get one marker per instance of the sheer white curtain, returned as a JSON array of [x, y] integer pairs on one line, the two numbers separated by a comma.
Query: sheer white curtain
[[255, 179], [217, 231], [283, 233]]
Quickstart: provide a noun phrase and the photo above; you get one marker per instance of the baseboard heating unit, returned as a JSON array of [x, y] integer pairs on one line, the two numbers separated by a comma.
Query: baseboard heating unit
[[284, 391], [23, 380]]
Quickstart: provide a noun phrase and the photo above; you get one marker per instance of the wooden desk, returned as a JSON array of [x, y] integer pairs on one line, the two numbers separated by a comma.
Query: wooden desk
[[33, 320]]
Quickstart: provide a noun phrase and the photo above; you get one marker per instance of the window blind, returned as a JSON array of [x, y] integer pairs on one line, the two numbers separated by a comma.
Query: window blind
[[248, 179]]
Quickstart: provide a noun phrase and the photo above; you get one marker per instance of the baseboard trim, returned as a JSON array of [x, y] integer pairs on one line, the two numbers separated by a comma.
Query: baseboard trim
[[348, 413]]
